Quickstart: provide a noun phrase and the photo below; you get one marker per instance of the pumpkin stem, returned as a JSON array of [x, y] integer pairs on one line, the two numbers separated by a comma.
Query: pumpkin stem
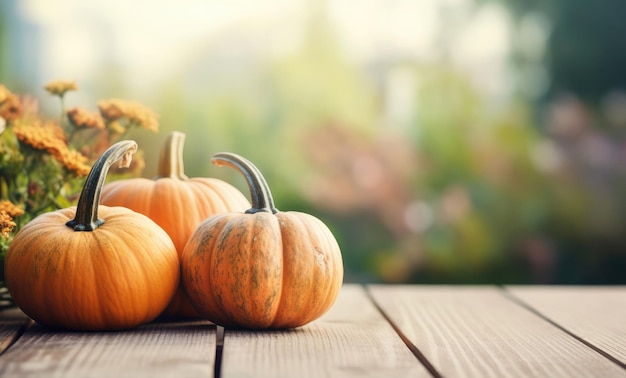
[[171, 157], [86, 218], [261, 197]]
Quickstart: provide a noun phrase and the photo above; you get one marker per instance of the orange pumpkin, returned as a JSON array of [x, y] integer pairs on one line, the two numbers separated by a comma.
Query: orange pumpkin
[[263, 268], [176, 203], [93, 267]]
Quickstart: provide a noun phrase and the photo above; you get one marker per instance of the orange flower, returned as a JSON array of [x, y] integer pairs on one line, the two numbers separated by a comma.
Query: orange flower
[[60, 87], [111, 109], [9, 208], [82, 118], [6, 224], [114, 109], [8, 211], [75, 162], [10, 105], [50, 138], [41, 135]]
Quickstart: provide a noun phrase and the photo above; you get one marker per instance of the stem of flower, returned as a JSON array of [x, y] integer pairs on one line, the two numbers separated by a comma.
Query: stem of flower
[[62, 97]]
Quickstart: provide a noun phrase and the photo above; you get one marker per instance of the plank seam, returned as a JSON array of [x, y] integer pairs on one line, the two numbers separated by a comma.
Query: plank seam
[[508, 294], [414, 349], [219, 350]]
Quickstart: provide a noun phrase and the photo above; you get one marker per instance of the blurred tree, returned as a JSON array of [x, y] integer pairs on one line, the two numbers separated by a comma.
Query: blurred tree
[[585, 51], [3, 39], [587, 48]]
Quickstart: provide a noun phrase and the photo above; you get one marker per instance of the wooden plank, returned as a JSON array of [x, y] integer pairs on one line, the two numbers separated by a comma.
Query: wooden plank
[[153, 350], [13, 323], [595, 314], [351, 340], [480, 332]]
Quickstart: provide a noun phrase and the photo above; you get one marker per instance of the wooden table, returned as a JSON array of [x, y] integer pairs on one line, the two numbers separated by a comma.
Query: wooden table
[[371, 331]]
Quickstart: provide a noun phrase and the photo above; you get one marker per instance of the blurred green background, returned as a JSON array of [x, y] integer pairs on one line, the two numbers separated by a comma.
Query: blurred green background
[[442, 141]]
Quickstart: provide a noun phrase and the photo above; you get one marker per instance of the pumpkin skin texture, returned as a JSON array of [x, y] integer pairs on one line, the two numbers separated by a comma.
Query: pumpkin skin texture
[[93, 267], [263, 269], [176, 203]]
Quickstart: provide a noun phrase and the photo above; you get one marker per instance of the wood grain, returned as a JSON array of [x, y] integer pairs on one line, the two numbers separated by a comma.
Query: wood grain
[[154, 350], [13, 323], [351, 340], [480, 332], [595, 314]]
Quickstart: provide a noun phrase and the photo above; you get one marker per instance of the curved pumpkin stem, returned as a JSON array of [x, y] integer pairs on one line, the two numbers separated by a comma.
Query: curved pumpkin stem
[[260, 195], [171, 157], [86, 218]]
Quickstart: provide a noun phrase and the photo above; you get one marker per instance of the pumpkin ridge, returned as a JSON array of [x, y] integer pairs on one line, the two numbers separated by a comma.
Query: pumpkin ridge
[[145, 271], [207, 186], [116, 195], [134, 272], [258, 275], [282, 293], [219, 190], [307, 285], [165, 208], [199, 247], [205, 244], [220, 222], [41, 262], [211, 207], [143, 289], [103, 316], [324, 248], [332, 254]]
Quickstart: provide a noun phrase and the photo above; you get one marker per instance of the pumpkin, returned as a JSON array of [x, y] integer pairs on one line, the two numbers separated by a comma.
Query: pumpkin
[[262, 269], [92, 267], [176, 203]]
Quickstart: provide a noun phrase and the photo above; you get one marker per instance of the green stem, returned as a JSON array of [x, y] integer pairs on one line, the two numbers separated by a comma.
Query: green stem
[[127, 128], [72, 134], [94, 134], [4, 187], [86, 218], [260, 194], [62, 118], [171, 157]]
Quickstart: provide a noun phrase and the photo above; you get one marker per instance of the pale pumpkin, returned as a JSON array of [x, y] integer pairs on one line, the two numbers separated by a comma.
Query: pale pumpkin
[[93, 267], [176, 203], [263, 268]]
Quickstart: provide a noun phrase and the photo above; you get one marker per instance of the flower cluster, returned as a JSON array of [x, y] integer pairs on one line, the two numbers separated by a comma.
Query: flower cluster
[[43, 161], [10, 106], [8, 211], [80, 117], [60, 87], [49, 137], [115, 111]]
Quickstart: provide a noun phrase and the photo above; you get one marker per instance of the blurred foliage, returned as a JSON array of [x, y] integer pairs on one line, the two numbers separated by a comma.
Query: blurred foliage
[[527, 189]]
